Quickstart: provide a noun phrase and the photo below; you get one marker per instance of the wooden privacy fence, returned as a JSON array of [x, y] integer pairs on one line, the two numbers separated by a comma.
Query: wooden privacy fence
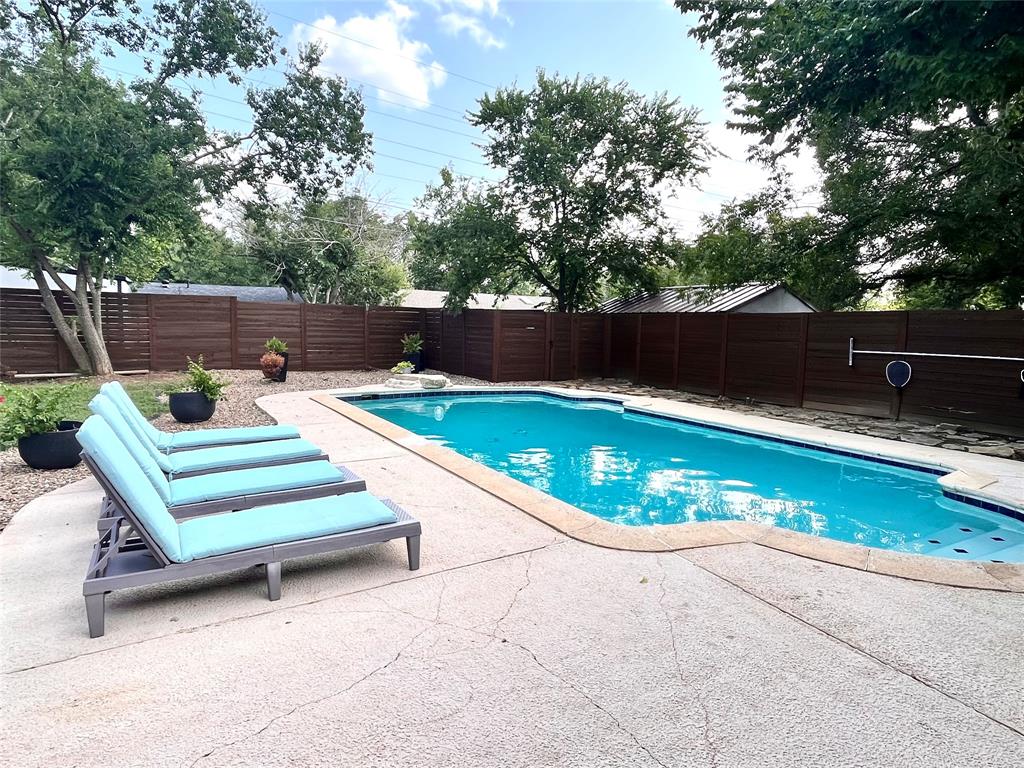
[[789, 359]]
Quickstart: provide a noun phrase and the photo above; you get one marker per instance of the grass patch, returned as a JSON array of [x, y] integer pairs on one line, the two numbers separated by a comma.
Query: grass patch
[[145, 395]]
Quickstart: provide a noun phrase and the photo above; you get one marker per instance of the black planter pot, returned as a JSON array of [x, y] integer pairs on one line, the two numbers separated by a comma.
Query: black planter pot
[[52, 450], [190, 407], [282, 374], [416, 358]]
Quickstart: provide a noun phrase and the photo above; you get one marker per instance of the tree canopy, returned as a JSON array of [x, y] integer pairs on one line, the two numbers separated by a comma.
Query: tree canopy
[[916, 112], [585, 165], [93, 169]]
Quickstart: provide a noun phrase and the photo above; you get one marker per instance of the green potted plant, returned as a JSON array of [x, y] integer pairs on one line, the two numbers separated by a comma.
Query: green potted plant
[[197, 400], [412, 349], [35, 419], [404, 367], [276, 348]]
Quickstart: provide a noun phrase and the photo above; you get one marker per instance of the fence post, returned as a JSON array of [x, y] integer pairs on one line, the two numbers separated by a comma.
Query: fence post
[[152, 333], [462, 367], [233, 315], [302, 335], [548, 351], [440, 342], [366, 337], [724, 354], [902, 332], [496, 345], [606, 360], [801, 372], [675, 354], [639, 340], [574, 345]]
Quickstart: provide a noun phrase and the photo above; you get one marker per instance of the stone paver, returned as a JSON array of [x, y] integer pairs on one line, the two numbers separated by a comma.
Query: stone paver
[[513, 646]]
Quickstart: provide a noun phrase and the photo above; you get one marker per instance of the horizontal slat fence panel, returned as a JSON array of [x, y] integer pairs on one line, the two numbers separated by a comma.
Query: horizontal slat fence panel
[[658, 349], [258, 321], [522, 346], [779, 358], [589, 345], [479, 343], [830, 383], [334, 338], [385, 329], [984, 392], [622, 361], [763, 358], [183, 326], [701, 352], [560, 346]]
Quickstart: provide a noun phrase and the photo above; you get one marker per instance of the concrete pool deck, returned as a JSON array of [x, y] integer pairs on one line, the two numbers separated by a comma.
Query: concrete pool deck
[[513, 645]]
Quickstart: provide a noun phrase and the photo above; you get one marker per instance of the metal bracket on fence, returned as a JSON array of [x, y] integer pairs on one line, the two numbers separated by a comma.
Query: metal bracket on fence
[[926, 354]]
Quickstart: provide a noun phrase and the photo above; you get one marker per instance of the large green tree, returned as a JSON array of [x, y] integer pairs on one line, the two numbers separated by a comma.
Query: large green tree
[[91, 167], [586, 164], [340, 251], [761, 239], [916, 112]]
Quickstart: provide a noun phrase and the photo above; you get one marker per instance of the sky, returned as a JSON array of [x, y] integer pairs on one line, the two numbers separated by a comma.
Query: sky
[[422, 65]]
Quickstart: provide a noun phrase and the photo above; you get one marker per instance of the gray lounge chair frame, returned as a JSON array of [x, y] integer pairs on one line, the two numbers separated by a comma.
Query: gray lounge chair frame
[[127, 556], [110, 508]]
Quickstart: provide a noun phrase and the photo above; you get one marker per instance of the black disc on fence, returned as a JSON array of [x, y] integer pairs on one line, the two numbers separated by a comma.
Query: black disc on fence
[[898, 373]]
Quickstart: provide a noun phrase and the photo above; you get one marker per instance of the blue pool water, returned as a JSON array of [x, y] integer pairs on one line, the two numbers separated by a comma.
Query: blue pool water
[[642, 470]]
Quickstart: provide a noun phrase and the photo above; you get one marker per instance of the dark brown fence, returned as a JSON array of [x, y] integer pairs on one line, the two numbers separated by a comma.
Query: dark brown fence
[[776, 358]]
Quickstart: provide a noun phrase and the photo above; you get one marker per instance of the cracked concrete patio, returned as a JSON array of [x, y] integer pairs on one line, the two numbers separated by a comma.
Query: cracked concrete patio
[[513, 645]]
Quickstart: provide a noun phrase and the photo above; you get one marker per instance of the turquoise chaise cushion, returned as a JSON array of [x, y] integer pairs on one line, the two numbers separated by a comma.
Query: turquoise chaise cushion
[[198, 438], [242, 482], [124, 474], [105, 409], [280, 523], [233, 455]]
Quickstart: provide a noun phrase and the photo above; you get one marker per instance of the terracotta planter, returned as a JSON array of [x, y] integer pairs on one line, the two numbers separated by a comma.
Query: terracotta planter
[[52, 450]]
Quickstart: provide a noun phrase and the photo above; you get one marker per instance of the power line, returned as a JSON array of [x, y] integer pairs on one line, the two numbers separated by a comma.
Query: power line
[[436, 67]]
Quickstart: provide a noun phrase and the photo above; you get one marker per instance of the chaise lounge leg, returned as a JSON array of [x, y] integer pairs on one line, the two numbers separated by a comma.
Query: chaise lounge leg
[[412, 544], [94, 612], [274, 581]]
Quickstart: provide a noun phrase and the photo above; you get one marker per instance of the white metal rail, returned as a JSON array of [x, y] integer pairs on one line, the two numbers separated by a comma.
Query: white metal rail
[[926, 354]]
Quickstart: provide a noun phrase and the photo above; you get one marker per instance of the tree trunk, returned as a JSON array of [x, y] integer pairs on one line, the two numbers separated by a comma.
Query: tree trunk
[[64, 330]]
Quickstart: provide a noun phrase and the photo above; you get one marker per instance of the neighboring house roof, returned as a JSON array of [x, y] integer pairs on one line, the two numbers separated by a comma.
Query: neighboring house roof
[[420, 299], [13, 277], [697, 298], [272, 293]]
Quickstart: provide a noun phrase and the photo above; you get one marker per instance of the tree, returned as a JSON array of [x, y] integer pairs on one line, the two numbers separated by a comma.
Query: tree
[[916, 112], [91, 168], [585, 164], [759, 240], [337, 252]]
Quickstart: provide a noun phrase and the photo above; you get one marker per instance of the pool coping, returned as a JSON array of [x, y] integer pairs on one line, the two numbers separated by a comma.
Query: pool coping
[[992, 481]]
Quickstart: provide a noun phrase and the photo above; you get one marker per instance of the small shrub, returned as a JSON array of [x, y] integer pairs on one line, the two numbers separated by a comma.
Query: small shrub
[[28, 411], [198, 379], [404, 367], [275, 345], [412, 343], [271, 363]]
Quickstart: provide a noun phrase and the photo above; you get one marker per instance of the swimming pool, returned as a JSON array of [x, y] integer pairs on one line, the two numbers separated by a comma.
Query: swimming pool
[[641, 469]]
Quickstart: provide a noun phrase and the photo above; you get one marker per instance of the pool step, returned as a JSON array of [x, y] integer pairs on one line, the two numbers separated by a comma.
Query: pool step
[[966, 542]]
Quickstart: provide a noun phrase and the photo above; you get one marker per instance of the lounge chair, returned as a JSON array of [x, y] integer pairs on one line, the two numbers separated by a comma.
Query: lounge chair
[[220, 491], [169, 442], [146, 545], [202, 461]]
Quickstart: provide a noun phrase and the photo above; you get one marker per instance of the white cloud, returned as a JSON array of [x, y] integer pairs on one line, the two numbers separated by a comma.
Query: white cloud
[[390, 58], [453, 23], [458, 16]]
